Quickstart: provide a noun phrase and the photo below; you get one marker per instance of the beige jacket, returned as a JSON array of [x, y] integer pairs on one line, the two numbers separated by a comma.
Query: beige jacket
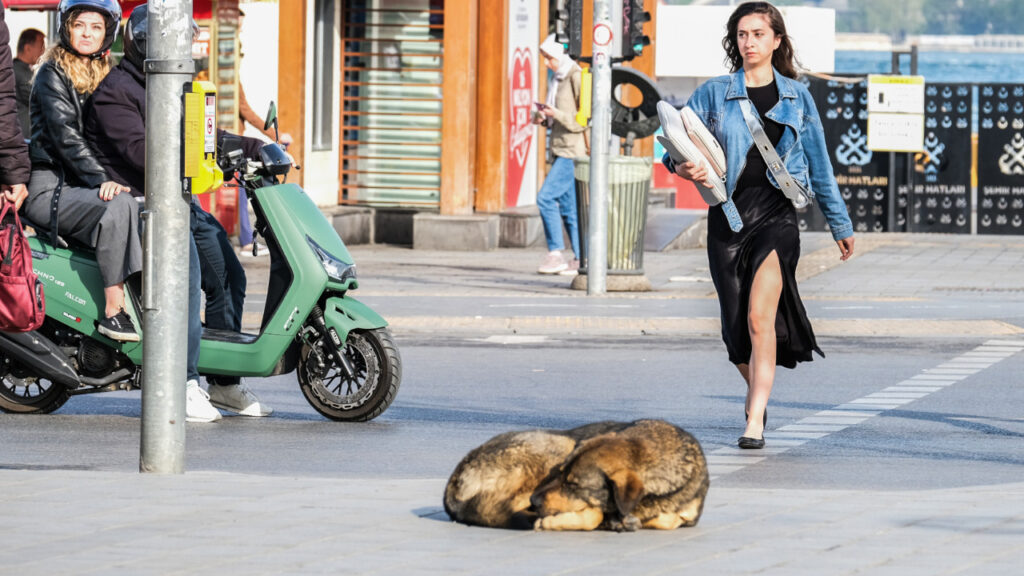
[[566, 134]]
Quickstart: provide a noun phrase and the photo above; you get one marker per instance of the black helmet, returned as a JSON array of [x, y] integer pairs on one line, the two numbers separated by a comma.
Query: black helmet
[[109, 9], [135, 35]]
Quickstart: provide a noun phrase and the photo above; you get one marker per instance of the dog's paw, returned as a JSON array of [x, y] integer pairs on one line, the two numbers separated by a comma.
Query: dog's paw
[[628, 524], [631, 523]]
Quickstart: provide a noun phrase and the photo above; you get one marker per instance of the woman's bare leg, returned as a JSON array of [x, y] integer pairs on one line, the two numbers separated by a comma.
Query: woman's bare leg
[[745, 372], [114, 296], [764, 305]]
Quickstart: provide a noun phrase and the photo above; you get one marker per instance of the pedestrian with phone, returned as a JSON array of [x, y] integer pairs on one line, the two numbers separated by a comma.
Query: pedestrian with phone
[[557, 197]]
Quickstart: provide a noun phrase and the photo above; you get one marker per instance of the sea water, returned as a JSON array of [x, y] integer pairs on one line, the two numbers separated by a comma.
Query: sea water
[[976, 67]]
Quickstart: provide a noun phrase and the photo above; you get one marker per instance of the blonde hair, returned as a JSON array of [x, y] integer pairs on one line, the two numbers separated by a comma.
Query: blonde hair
[[85, 73]]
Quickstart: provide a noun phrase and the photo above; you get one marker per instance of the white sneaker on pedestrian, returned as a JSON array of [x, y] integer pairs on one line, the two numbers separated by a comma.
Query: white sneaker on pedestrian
[[238, 398], [553, 263], [197, 404], [248, 251], [571, 269]]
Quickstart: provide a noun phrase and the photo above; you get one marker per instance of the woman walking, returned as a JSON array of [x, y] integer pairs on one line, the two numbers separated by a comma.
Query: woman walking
[[753, 238]]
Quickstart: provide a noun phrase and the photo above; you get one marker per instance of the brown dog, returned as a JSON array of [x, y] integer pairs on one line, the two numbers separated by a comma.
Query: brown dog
[[649, 474], [493, 483]]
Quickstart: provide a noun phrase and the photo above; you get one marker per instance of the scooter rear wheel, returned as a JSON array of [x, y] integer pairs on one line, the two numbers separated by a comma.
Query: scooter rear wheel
[[21, 393], [368, 392]]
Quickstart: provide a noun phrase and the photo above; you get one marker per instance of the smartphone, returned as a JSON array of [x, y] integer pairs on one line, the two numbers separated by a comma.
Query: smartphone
[[539, 105]]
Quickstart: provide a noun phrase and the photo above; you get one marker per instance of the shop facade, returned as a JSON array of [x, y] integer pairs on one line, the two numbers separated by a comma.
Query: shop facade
[[418, 110]]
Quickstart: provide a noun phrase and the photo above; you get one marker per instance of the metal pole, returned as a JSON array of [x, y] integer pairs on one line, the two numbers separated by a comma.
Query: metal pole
[[165, 245], [895, 70], [600, 134]]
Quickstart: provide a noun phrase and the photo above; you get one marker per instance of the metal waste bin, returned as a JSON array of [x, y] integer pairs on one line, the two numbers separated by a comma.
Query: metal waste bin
[[629, 183]]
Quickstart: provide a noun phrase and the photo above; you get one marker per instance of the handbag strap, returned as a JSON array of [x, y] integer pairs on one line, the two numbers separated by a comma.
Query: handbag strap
[[13, 229], [790, 187]]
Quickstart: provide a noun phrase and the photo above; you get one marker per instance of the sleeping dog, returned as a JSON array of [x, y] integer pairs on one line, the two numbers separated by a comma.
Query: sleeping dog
[[649, 474], [493, 483], [614, 475]]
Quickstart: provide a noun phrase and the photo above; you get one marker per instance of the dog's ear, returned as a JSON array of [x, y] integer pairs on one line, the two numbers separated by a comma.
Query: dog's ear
[[627, 489]]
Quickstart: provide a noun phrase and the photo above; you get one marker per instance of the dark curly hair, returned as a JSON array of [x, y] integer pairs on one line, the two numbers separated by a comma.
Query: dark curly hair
[[783, 59]]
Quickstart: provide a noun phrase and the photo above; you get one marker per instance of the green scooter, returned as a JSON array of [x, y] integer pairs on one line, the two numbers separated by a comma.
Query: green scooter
[[345, 358]]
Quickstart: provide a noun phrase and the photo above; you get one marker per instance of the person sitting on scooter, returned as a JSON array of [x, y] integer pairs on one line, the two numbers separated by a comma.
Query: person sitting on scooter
[[14, 164], [115, 126], [66, 177]]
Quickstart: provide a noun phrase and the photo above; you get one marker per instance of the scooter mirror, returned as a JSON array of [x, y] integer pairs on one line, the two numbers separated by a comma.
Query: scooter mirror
[[271, 117]]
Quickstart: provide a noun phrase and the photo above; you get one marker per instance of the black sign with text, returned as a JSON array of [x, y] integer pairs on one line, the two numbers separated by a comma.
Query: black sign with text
[[938, 188], [1001, 159], [862, 175]]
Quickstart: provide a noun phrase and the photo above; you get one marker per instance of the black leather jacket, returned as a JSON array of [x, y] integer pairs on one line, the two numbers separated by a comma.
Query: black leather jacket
[[58, 141], [14, 167]]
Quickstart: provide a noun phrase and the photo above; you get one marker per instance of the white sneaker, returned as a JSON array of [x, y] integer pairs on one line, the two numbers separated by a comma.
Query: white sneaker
[[197, 404], [247, 251], [238, 398], [553, 263], [572, 268]]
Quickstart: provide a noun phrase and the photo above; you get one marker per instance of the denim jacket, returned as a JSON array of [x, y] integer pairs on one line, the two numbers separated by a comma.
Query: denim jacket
[[802, 146]]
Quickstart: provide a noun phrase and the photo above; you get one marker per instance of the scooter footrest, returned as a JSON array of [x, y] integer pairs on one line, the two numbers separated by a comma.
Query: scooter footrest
[[229, 336]]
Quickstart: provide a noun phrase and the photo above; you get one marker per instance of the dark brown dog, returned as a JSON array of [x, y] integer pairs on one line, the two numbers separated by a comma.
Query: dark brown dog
[[493, 483], [649, 474]]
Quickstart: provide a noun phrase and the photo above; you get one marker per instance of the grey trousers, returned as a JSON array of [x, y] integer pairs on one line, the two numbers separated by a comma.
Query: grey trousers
[[111, 228]]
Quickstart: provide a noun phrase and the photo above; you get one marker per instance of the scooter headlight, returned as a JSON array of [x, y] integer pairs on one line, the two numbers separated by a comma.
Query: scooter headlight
[[336, 269]]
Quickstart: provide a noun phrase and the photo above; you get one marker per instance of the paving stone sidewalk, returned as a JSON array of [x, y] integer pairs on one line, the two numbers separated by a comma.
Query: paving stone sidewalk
[[78, 522], [431, 290]]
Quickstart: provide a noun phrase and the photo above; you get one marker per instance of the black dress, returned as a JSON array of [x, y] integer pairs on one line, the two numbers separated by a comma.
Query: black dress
[[769, 223]]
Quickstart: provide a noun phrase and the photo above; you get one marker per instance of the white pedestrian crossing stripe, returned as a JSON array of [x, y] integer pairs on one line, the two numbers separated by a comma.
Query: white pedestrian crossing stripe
[[838, 418]]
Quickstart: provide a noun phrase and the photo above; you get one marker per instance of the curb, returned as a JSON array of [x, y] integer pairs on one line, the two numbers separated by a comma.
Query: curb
[[622, 326]]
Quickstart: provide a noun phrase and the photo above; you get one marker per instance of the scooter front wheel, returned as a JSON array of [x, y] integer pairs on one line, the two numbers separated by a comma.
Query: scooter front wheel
[[372, 386], [23, 393]]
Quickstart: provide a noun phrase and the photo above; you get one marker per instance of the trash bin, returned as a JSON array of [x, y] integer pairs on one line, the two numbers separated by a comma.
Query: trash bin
[[629, 183]]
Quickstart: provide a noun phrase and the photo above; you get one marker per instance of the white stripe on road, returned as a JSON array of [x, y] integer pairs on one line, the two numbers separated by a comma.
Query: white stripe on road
[[729, 459]]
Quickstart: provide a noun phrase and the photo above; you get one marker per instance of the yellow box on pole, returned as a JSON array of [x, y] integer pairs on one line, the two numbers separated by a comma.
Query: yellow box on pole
[[586, 89], [199, 127]]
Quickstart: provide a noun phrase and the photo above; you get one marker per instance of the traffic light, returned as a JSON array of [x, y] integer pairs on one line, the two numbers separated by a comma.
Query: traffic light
[[569, 27], [633, 19]]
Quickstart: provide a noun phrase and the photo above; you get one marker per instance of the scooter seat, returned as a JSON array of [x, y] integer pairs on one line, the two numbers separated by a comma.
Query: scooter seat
[[43, 233]]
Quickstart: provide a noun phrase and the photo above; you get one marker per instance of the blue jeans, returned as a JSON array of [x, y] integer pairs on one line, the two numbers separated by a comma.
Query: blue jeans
[[222, 276], [557, 203], [244, 225], [195, 325]]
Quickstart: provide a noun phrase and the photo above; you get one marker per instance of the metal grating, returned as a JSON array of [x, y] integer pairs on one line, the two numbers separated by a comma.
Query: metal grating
[[391, 102]]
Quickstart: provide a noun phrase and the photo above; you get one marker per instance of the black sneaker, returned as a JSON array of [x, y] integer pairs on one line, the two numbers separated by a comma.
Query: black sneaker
[[118, 327]]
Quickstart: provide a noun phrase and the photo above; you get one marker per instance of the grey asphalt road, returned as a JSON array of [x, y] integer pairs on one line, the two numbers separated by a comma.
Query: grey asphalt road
[[457, 392]]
